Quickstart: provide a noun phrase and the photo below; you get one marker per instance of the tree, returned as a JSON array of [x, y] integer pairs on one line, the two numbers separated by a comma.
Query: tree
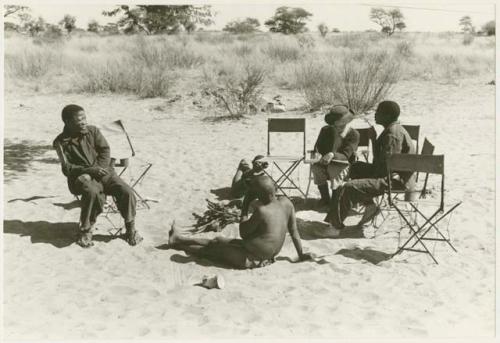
[[12, 9], [466, 24], [93, 26], [489, 28], [248, 25], [288, 20], [153, 19], [323, 29], [34, 27], [68, 22], [389, 20]]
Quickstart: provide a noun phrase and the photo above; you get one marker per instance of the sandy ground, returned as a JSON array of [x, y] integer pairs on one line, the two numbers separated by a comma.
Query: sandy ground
[[53, 289]]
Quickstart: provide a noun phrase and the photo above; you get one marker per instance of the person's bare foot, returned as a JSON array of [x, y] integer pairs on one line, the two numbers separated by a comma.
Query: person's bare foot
[[371, 211], [172, 234], [85, 240]]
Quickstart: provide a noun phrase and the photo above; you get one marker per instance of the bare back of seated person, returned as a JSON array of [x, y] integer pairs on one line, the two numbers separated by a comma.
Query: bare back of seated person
[[262, 234]]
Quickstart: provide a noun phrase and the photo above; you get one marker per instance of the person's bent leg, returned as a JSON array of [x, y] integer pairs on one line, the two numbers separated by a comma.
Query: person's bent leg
[[126, 203], [223, 250], [92, 204], [361, 191], [320, 178]]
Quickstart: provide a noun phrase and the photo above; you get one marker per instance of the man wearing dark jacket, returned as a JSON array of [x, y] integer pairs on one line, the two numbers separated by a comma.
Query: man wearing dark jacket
[[370, 180], [85, 160], [337, 143]]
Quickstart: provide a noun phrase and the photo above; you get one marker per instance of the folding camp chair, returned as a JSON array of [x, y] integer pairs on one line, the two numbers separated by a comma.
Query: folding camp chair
[[367, 136], [122, 151], [430, 164], [385, 208], [291, 162]]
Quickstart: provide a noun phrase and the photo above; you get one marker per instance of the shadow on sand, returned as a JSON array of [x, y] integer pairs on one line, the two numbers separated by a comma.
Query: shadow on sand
[[33, 198], [59, 235], [366, 254], [310, 230], [68, 206], [19, 156]]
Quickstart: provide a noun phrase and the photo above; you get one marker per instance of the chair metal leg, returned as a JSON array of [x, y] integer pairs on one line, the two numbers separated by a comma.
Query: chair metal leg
[[414, 235]]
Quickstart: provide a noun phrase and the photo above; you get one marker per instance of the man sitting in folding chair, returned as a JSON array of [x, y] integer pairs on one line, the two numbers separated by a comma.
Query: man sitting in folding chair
[[369, 180], [85, 158], [337, 144]]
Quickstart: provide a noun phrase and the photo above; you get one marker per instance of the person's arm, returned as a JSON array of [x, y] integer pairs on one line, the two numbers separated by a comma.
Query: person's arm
[[68, 169], [389, 145], [103, 151], [249, 225], [294, 233], [349, 146]]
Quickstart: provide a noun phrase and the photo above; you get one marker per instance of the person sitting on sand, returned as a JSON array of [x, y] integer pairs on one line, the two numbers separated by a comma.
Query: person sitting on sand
[[336, 142], [85, 160], [370, 180], [244, 174], [262, 234]]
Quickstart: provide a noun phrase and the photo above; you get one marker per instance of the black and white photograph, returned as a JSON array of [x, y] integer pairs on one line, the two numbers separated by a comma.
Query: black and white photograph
[[248, 170]]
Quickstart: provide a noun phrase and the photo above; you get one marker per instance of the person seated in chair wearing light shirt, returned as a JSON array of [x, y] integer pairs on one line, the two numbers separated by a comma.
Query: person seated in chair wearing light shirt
[[336, 142]]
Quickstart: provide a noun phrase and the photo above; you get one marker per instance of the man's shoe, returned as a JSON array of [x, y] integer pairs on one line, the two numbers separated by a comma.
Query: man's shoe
[[371, 211], [85, 240], [132, 236]]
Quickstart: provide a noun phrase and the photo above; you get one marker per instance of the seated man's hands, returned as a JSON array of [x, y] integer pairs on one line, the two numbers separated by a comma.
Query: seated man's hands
[[327, 158], [97, 172], [84, 178]]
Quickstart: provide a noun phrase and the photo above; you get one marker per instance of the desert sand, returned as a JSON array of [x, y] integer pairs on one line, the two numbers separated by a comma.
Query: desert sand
[[53, 289]]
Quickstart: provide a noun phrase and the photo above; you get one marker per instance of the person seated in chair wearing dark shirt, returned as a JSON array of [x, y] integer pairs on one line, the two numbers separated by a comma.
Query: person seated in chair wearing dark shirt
[[369, 180], [85, 160]]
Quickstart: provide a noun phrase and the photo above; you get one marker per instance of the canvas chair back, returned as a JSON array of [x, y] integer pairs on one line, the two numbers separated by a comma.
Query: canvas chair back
[[414, 132], [366, 136], [119, 141], [287, 125], [430, 164]]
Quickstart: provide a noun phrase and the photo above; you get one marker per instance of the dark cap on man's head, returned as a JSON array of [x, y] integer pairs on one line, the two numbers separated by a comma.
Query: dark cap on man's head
[[339, 115], [388, 109], [69, 111]]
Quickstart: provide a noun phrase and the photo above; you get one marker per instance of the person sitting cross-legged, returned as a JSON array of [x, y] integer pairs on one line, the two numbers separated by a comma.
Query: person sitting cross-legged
[[336, 142], [369, 180], [85, 160], [262, 234]]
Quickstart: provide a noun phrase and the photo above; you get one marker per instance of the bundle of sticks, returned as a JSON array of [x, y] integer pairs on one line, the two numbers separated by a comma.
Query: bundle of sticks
[[217, 216]]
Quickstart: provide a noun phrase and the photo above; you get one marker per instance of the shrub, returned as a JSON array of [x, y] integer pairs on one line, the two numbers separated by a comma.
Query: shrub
[[405, 48], [360, 79], [489, 28], [468, 39], [282, 50], [323, 29], [236, 89], [31, 62]]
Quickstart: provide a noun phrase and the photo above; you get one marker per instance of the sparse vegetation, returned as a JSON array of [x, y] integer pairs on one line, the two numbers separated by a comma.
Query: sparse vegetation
[[153, 65]]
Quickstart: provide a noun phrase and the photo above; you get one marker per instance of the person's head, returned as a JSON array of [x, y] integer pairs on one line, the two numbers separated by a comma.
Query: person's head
[[338, 117], [74, 118], [258, 164], [264, 187], [387, 112]]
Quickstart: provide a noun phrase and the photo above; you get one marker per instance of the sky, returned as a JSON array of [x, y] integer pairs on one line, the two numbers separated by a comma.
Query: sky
[[346, 16]]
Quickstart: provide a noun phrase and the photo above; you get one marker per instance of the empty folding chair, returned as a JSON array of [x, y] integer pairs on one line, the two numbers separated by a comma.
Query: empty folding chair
[[286, 164], [419, 233]]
